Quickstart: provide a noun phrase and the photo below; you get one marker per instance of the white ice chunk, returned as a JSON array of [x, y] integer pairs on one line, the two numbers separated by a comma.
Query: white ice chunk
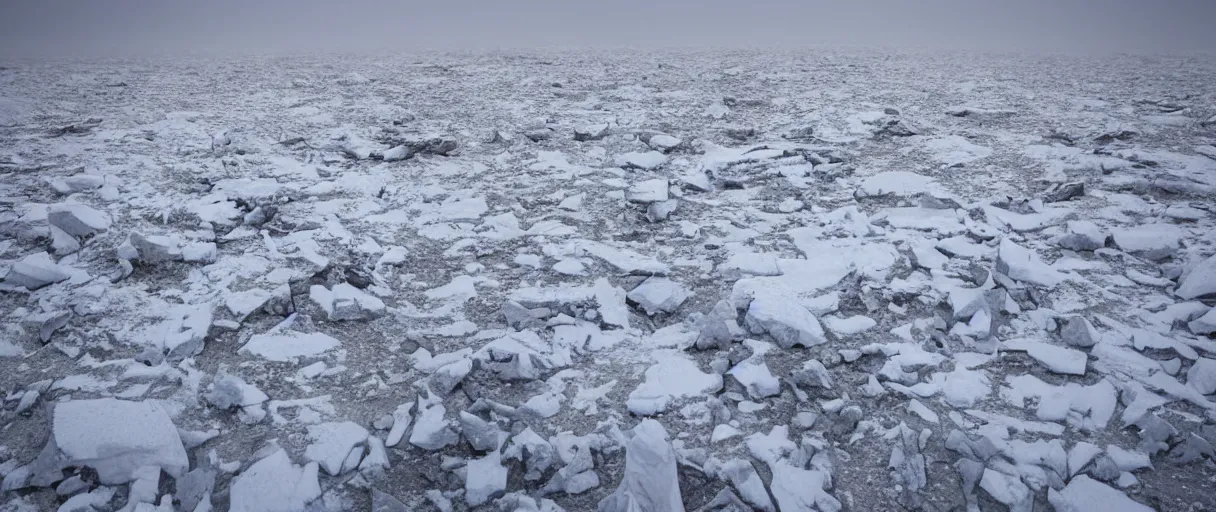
[[285, 346], [274, 484]]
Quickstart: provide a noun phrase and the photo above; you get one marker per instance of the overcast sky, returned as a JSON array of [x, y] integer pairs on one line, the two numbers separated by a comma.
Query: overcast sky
[[257, 26]]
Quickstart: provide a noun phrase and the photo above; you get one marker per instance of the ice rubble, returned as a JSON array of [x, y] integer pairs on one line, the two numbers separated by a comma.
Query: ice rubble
[[769, 295]]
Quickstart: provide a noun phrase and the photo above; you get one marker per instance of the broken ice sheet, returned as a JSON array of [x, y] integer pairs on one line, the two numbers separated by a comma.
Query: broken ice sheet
[[289, 345], [672, 377]]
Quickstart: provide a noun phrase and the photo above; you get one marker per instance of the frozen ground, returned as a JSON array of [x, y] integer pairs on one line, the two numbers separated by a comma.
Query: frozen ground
[[668, 281]]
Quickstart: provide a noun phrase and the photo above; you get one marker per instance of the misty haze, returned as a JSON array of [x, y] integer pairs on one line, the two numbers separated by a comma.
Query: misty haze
[[614, 256]]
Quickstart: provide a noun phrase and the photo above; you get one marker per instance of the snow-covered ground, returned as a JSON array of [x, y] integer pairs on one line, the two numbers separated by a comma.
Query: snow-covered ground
[[717, 281]]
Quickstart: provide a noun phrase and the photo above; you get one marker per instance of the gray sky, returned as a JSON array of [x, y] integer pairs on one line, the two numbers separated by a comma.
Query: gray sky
[[82, 27]]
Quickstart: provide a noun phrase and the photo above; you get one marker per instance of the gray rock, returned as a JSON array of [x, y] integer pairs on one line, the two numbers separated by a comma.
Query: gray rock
[[846, 421], [35, 271], [194, 486], [1155, 430], [812, 375], [384, 502], [1104, 469], [1192, 448], [1083, 236], [659, 295], [384, 422], [650, 482], [1078, 332], [513, 363], [980, 450], [260, 215], [28, 399], [539, 134], [740, 133], [53, 324], [747, 482], [441, 146], [401, 422], [581, 462], [898, 128], [582, 482], [537, 454], [431, 430], [482, 435], [63, 244], [446, 378], [152, 249], [660, 211], [971, 472], [1063, 192], [519, 317], [719, 328], [908, 466], [805, 420], [398, 153], [77, 219], [725, 501], [280, 302], [74, 485], [231, 392]]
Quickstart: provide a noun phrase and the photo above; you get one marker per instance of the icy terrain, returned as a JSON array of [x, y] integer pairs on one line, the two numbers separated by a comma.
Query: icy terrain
[[663, 281]]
